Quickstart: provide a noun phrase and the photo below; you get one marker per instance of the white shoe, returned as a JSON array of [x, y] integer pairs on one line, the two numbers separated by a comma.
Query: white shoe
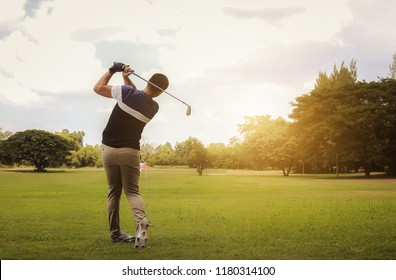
[[141, 234]]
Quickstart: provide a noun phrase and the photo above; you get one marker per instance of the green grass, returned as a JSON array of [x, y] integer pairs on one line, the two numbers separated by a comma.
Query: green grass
[[223, 215]]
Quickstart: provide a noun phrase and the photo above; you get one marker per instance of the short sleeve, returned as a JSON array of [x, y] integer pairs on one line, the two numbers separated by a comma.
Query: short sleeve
[[116, 92]]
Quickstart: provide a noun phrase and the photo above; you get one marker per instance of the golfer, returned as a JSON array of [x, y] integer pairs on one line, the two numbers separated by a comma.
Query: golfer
[[121, 148]]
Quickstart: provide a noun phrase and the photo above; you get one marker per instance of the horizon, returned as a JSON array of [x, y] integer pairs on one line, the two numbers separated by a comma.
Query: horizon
[[244, 59]]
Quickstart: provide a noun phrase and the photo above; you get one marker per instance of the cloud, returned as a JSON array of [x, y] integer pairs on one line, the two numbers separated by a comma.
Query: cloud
[[31, 6], [372, 24], [15, 9], [39, 57], [94, 35], [218, 61], [52, 65], [8, 26], [369, 37], [273, 16], [167, 32], [16, 95], [141, 56]]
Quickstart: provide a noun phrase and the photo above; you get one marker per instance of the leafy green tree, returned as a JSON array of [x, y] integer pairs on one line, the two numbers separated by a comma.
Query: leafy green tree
[[236, 154], [193, 153], [373, 134], [218, 155], [318, 125], [81, 155], [164, 155], [75, 158], [229, 156], [389, 152], [255, 131], [392, 68], [4, 134], [41, 148], [86, 156], [147, 152], [76, 137], [345, 122], [268, 143], [5, 158]]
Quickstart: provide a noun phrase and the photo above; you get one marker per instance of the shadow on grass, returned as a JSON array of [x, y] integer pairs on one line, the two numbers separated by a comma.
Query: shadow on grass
[[33, 171], [350, 176]]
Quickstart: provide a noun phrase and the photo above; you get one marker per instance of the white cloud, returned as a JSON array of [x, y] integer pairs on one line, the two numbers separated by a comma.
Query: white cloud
[[11, 10], [16, 95], [50, 65], [271, 15], [40, 56]]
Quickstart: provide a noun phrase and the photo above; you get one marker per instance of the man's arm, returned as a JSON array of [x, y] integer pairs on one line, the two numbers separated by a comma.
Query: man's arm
[[125, 74], [102, 87]]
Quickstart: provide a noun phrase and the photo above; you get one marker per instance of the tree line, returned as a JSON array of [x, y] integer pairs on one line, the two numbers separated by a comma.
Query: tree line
[[43, 149], [342, 125]]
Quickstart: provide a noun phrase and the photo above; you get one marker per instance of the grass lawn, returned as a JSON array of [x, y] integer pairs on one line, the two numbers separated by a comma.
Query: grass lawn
[[62, 214]]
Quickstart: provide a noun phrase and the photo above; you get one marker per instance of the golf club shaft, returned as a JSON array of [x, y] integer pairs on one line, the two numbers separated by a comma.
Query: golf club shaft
[[133, 73]]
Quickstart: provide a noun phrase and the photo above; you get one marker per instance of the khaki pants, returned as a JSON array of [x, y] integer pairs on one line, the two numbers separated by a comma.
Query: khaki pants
[[122, 167]]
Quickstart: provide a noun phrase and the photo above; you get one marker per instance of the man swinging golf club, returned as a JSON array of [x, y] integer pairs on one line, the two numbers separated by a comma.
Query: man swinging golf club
[[120, 146]]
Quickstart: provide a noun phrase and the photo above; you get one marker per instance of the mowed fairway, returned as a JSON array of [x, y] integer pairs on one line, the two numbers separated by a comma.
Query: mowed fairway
[[222, 215]]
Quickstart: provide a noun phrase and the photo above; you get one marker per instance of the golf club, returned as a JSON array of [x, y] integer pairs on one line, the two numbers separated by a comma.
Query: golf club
[[188, 106]]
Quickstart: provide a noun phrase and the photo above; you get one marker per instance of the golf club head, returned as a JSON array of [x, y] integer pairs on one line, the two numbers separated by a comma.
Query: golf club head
[[188, 110]]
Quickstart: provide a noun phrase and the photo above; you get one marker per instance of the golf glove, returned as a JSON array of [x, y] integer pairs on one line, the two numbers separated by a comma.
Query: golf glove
[[117, 67]]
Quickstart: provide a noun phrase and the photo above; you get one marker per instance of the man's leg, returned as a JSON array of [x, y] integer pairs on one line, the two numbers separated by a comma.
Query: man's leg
[[113, 174], [129, 160]]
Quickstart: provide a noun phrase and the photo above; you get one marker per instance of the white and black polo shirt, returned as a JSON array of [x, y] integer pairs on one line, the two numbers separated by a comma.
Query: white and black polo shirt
[[132, 112]]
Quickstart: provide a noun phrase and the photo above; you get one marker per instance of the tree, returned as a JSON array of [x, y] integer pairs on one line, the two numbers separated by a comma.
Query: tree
[[4, 135], [218, 155], [318, 125], [4, 156], [345, 122], [236, 154], [75, 158], [81, 155], [39, 147], [193, 153], [164, 155], [392, 68], [75, 137], [147, 152], [268, 143], [86, 156], [376, 126]]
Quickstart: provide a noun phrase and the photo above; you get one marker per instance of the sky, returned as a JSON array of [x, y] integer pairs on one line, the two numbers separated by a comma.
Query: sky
[[228, 59]]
